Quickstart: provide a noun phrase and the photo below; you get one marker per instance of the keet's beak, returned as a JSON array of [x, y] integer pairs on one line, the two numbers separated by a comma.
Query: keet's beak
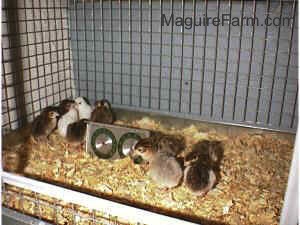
[[137, 160], [98, 104]]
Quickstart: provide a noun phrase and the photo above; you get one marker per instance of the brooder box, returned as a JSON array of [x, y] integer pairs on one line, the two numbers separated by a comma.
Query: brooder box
[[118, 50]]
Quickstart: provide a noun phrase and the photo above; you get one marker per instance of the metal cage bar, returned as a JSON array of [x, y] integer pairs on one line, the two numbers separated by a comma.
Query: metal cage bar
[[262, 64], [226, 64], [171, 60], [150, 58], [215, 64], [112, 49], [275, 68], [121, 40], [103, 57], [182, 56], [203, 61], [160, 59], [141, 50]]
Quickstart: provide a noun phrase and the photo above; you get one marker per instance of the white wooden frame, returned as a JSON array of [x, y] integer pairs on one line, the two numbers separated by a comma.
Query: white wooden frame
[[129, 213]]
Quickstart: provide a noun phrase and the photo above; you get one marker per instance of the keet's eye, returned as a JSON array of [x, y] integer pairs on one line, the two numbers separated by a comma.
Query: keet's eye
[[141, 150]]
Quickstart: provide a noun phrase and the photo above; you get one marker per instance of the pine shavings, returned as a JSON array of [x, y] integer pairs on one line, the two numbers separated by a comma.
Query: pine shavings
[[253, 173]]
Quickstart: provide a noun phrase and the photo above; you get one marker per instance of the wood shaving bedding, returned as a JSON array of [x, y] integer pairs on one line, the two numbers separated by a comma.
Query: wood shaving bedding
[[254, 173]]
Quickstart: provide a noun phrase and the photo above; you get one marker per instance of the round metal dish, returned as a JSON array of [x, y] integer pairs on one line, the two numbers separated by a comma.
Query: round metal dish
[[104, 143], [127, 143]]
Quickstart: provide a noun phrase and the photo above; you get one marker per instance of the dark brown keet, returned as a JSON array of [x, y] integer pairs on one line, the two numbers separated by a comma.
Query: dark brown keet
[[103, 112], [199, 178], [209, 152], [44, 125], [76, 133], [63, 107], [202, 166]]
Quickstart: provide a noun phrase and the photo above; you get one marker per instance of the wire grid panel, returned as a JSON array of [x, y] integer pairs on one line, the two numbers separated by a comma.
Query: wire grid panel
[[35, 58], [236, 74]]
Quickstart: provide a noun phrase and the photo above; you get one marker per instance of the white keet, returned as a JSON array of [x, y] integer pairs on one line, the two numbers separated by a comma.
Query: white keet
[[66, 120], [84, 108]]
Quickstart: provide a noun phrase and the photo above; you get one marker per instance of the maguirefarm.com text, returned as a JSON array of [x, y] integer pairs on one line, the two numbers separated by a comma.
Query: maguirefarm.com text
[[189, 22]]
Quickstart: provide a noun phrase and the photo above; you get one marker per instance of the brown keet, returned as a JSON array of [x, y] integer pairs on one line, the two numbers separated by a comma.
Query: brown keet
[[144, 148], [102, 112], [173, 145], [51, 108], [64, 107], [44, 125], [164, 169]]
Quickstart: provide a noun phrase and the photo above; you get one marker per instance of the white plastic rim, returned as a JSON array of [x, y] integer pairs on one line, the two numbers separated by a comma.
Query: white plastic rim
[[290, 211], [132, 214]]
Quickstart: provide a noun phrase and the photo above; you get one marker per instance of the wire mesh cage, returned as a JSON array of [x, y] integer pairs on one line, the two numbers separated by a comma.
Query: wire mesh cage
[[120, 51], [35, 59], [214, 73], [155, 56]]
